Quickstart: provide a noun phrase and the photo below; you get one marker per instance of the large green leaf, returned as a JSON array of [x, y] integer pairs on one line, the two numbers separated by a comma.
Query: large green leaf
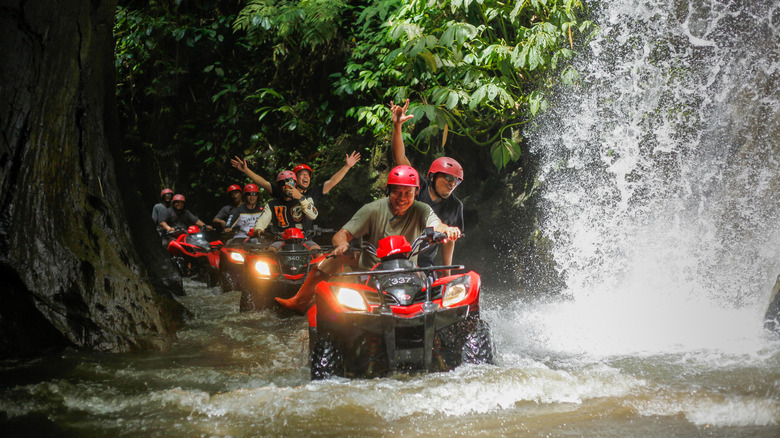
[[503, 151]]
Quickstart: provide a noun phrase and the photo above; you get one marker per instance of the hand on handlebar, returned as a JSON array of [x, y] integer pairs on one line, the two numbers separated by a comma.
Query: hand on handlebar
[[340, 250], [453, 233]]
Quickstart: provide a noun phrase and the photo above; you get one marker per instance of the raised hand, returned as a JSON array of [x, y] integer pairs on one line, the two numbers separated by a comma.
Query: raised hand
[[239, 164], [399, 112], [353, 158]]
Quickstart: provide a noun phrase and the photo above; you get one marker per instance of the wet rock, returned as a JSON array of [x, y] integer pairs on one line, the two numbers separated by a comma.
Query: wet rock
[[65, 244]]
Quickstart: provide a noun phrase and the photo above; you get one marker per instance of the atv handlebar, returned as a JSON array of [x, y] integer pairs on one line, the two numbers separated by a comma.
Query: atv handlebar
[[397, 271]]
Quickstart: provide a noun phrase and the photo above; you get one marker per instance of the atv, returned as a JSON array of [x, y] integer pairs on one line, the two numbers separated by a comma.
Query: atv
[[270, 273], [397, 317], [194, 255], [231, 261]]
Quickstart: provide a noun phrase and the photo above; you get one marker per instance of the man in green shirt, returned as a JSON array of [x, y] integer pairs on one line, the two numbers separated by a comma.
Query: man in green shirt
[[397, 214]]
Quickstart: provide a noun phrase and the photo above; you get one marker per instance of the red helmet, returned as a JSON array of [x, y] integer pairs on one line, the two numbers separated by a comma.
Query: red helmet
[[403, 176], [292, 233], [251, 188], [393, 245], [165, 192], [193, 229], [178, 198], [283, 175], [300, 167], [233, 188], [445, 165]]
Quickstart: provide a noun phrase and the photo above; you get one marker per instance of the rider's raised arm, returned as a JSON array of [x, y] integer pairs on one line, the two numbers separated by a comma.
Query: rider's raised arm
[[264, 220], [241, 165], [338, 176], [397, 140]]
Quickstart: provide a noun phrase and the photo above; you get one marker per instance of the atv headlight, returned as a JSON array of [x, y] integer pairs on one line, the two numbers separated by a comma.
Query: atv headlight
[[456, 291], [237, 256], [351, 299], [262, 268]]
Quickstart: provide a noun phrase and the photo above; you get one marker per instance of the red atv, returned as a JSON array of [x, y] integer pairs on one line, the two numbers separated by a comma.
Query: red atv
[[231, 261], [269, 274], [397, 316], [194, 255]]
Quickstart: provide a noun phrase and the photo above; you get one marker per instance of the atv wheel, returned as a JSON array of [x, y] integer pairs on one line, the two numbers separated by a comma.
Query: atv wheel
[[478, 345], [326, 359], [224, 283], [181, 265], [227, 282], [212, 278]]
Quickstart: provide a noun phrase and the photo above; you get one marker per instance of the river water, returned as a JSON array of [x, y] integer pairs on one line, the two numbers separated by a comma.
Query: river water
[[246, 374], [660, 173]]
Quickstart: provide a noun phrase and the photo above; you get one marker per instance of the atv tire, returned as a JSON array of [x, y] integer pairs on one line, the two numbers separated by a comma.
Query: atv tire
[[226, 282], [478, 345], [326, 359], [181, 265], [212, 278]]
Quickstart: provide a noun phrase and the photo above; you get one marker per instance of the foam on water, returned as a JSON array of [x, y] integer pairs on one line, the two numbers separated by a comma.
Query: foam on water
[[659, 174], [660, 178]]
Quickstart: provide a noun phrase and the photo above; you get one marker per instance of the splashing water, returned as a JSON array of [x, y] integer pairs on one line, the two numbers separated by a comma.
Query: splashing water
[[662, 178], [661, 174]]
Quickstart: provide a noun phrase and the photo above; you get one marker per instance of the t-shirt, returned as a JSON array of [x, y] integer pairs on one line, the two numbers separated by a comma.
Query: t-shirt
[[157, 212], [224, 212], [177, 219], [376, 221], [286, 214], [449, 210], [242, 219]]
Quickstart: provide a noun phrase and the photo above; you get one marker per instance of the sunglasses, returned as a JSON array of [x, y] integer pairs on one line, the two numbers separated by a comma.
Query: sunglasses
[[253, 194], [450, 178]]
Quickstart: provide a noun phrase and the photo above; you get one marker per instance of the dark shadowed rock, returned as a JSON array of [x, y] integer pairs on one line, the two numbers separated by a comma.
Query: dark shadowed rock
[[71, 275]]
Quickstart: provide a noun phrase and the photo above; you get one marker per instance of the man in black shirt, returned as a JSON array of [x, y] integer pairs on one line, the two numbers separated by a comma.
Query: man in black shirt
[[177, 217], [444, 175], [294, 210], [234, 193], [304, 176]]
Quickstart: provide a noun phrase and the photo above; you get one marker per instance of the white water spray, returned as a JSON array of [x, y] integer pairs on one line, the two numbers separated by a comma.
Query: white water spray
[[662, 176]]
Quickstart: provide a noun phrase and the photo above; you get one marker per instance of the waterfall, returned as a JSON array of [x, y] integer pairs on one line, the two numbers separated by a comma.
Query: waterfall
[[662, 174]]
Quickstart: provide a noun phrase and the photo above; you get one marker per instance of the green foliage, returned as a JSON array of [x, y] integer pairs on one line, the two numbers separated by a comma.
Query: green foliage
[[181, 75], [292, 25], [479, 68], [289, 81]]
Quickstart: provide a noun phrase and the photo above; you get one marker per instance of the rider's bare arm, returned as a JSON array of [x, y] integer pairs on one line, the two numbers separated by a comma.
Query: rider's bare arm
[[341, 242], [241, 165], [447, 250], [397, 140], [338, 176]]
